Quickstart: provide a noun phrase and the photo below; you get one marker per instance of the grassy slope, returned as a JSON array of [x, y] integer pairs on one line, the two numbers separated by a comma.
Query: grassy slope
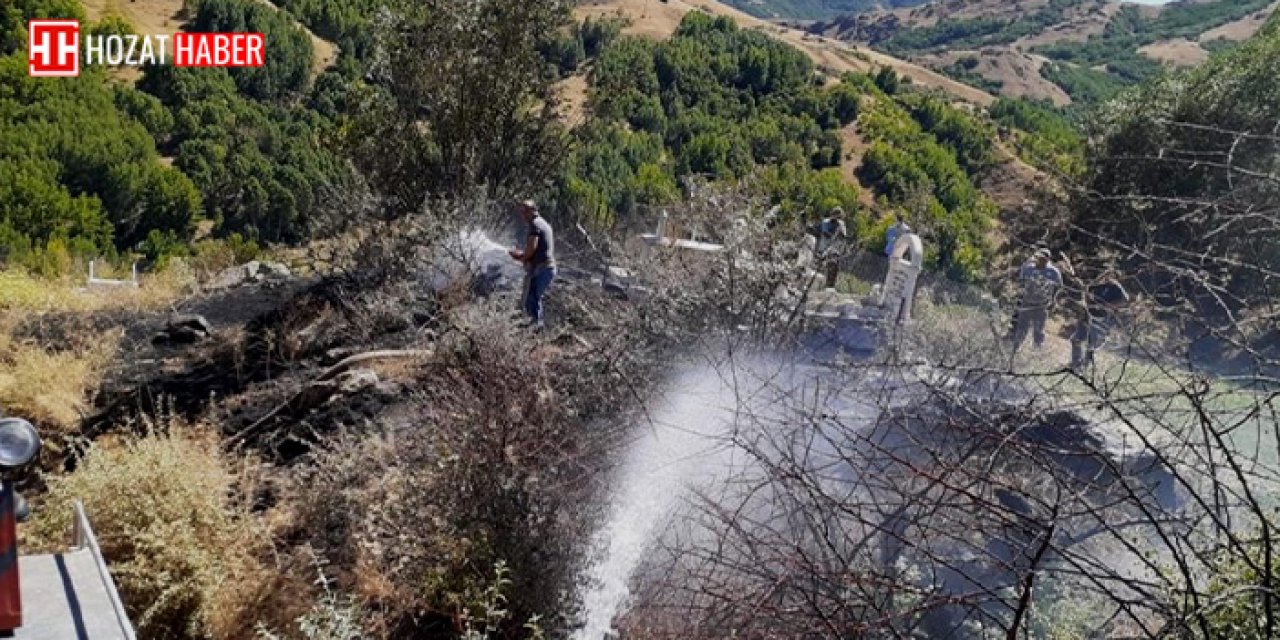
[[1008, 62], [657, 19]]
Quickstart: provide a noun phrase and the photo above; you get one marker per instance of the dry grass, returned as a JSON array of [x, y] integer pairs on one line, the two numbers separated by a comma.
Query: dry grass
[[51, 385], [1179, 51], [51, 388], [23, 293], [147, 16], [573, 93], [187, 556]]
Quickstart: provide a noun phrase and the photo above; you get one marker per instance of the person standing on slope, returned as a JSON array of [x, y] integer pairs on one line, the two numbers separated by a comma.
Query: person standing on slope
[[830, 235], [539, 259], [1040, 284], [1095, 318]]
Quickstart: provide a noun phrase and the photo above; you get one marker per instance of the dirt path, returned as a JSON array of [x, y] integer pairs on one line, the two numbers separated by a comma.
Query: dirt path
[[854, 146], [573, 99]]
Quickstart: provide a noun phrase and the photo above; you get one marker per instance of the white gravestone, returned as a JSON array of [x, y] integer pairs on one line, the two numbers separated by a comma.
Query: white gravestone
[[905, 264]]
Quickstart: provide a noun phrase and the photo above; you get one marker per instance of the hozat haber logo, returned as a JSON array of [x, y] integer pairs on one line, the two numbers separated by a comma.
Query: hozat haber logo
[[54, 49]]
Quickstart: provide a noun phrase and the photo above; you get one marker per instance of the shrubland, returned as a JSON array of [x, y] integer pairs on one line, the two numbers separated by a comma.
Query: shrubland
[[662, 114], [456, 495]]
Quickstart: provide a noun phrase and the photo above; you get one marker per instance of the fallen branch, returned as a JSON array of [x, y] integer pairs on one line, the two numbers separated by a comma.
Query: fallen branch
[[329, 374]]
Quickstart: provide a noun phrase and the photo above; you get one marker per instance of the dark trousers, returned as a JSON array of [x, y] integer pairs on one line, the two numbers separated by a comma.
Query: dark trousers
[[1088, 336], [1030, 320], [831, 269], [536, 285]]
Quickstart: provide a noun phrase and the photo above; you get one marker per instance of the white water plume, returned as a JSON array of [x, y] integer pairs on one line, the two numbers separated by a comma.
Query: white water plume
[[474, 255], [686, 446]]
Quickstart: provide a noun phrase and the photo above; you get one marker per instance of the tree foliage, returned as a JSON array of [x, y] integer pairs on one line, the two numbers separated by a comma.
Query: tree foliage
[[287, 62], [77, 168], [15, 13], [265, 170], [463, 99], [346, 23], [714, 101], [922, 159], [1043, 135]]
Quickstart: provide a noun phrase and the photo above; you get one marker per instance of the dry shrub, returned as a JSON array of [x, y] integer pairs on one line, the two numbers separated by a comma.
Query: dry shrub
[[486, 465], [187, 556], [51, 388]]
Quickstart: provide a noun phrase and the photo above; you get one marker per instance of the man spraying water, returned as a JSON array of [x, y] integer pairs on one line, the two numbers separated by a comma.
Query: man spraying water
[[539, 259]]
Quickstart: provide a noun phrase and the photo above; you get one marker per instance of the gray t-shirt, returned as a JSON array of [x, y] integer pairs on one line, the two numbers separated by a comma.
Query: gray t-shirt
[[544, 255]]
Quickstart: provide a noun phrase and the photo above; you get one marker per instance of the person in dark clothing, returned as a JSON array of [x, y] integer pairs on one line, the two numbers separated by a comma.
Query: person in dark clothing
[[539, 259], [831, 233], [1095, 319]]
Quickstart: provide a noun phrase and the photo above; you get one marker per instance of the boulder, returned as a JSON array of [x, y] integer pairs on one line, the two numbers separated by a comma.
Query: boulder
[[254, 271], [356, 380], [185, 329], [616, 281], [273, 271], [228, 278]]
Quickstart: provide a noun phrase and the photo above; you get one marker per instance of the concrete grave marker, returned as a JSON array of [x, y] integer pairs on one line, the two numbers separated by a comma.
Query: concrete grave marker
[[905, 264]]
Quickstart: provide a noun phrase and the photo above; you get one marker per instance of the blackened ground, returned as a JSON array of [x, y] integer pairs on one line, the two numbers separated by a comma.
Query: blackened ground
[[268, 342]]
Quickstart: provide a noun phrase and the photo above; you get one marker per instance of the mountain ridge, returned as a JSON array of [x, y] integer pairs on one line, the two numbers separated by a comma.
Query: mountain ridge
[[815, 9], [1056, 50]]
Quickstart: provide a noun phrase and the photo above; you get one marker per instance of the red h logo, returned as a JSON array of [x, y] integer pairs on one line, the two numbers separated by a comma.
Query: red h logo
[[53, 48]]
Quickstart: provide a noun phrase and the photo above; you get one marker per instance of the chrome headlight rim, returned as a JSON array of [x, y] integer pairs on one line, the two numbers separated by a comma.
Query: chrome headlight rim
[[19, 443]]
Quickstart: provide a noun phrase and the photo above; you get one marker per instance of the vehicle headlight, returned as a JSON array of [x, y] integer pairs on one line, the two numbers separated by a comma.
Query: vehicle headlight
[[19, 442]]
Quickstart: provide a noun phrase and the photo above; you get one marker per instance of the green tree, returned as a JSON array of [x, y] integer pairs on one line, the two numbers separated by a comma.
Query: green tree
[[1185, 169], [288, 55], [102, 178], [469, 101]]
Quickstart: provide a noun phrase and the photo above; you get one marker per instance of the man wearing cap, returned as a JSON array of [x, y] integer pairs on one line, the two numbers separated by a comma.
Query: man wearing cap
[[1040, 284], [539, 259], [830, 232]]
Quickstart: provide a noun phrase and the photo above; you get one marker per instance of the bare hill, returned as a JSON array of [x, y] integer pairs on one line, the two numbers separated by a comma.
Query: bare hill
[[1097, 46]]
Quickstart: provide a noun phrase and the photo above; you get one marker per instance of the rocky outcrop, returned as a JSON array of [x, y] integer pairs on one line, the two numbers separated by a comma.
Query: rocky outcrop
[[184, 329], [252, 272]]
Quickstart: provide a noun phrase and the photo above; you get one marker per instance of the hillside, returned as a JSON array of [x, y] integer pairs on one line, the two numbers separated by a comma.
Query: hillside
[[654, 19], [317, 414], [1056, 50], [168, 16], [816, 9], [1009, 182]]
